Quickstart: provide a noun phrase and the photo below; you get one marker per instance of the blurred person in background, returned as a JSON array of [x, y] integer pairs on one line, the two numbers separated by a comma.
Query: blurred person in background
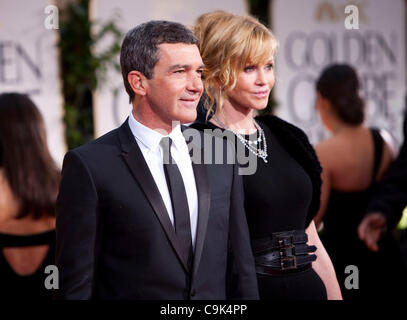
[[29, 181], [282, 196], [354, 159], [387, 203]]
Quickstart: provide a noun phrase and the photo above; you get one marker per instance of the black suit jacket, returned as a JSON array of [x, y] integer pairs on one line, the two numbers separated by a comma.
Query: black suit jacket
[[390, 195], [115, 239]]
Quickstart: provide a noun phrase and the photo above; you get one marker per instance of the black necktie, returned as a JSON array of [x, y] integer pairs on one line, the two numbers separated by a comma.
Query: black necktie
[[179, 200]]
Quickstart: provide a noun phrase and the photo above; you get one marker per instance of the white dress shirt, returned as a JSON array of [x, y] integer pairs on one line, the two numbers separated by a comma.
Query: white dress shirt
[[149, 142]]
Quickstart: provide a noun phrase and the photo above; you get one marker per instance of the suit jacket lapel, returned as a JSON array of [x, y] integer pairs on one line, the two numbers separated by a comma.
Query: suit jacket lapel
[[138, 167], [204, 197]]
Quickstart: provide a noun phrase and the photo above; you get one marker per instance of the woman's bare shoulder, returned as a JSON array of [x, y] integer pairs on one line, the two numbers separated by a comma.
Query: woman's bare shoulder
[[328, 149], [8, 202]]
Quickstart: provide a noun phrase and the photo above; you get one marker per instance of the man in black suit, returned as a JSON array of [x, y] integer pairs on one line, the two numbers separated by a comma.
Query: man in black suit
[[387, 202], [136, 218]]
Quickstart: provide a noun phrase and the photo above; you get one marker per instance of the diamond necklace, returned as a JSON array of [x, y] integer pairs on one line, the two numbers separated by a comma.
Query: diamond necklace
[[252, 146]]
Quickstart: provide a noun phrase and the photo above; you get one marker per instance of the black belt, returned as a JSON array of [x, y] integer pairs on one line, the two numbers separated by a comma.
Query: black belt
[[283, 252], [268, 271]]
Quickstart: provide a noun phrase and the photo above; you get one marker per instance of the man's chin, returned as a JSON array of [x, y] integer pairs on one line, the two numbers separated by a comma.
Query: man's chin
[[188, 116]]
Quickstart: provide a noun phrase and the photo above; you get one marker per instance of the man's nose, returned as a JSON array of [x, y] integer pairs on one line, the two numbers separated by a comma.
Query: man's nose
[[195, 84]]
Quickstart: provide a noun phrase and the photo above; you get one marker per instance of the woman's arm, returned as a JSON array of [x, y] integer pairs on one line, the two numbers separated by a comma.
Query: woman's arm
[[323, 265]]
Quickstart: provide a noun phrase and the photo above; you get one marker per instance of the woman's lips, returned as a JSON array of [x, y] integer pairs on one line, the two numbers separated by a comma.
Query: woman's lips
[[261, 94]]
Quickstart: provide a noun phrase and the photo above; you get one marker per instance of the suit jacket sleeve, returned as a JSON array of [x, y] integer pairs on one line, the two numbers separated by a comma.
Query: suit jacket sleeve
[[241, 280], [390, 196], [76, 229]]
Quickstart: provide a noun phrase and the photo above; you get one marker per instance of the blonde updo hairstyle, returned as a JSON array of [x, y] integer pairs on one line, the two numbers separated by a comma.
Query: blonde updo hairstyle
[[227, 44]]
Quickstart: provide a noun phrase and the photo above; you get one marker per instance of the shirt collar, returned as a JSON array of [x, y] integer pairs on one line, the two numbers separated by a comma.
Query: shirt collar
[[151, 138]]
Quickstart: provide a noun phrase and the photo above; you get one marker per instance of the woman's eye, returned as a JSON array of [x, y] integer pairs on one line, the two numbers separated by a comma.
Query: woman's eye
[[248, 68], [269, 66], [179, 71]]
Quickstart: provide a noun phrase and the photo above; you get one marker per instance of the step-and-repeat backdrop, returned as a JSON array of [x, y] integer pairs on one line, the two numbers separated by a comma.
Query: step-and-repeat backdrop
[[29, 62], [369, 35], [312, 35]]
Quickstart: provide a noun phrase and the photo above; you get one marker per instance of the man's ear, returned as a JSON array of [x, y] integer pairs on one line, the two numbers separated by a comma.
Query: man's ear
[[138, 82]]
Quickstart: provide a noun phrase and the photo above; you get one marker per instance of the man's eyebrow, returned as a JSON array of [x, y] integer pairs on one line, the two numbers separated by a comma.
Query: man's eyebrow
[[183, 66]]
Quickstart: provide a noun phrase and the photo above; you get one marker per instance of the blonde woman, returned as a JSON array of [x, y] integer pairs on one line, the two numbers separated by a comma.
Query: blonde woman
[[282, 195]]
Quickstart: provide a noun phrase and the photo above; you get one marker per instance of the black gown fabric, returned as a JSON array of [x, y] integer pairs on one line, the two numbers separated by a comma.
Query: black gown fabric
[[277, 198], [28, 287], [378, 274]]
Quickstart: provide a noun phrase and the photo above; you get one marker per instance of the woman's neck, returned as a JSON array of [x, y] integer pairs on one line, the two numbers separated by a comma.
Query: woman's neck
[[340, 128], [236, 119]]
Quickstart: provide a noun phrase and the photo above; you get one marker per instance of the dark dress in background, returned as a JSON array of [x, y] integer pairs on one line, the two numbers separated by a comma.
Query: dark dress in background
[[281, 196], [379, 273], [29, 287]]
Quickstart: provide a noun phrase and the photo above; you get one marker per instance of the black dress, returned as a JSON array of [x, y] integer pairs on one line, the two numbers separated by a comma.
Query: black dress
[[378, 273], [278, 197], [30, 287]]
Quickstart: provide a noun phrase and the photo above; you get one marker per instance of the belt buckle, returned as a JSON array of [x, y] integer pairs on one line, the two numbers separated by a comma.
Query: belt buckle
[[283, 255], [294, 266]]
